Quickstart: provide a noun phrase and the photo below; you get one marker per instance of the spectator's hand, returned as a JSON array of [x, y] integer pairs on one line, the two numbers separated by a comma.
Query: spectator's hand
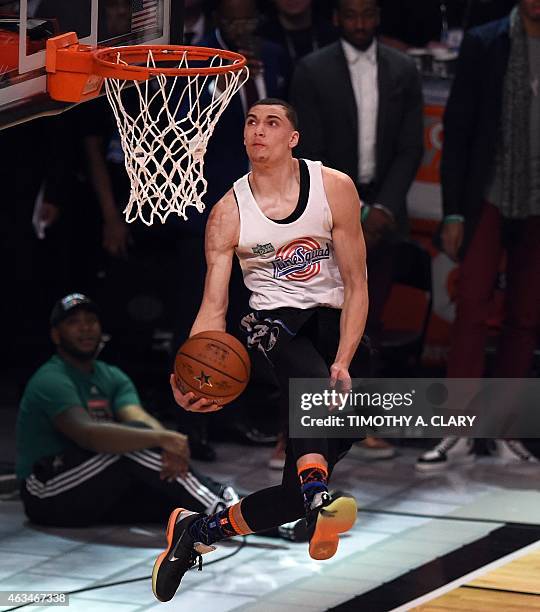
[[452, 238], [174, 465], [187, 400], [339, 373], [371, 239], [174, 443], [254, 64], [116, 237], [378, 222], [48, 214]]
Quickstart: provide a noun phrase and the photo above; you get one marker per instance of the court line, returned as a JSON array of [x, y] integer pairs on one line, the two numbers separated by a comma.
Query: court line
[[467, 578]]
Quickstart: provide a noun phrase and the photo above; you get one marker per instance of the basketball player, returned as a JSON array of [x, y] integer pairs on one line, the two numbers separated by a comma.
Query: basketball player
[[295, 227]]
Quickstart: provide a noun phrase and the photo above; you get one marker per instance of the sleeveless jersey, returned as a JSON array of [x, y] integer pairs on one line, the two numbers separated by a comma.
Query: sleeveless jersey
[[289, 264]]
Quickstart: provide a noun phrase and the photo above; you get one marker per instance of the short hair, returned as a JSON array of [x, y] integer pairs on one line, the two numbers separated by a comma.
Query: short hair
[[290, 111]]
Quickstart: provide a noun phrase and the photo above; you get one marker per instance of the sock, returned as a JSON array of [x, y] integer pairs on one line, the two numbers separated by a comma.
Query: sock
[[219, 526], [313, 480]]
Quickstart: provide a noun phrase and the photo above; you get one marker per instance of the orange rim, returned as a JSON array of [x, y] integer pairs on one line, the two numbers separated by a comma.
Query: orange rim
[[106, 61]]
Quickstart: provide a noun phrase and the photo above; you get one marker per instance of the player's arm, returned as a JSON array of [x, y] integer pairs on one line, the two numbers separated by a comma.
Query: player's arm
[[350, 251], [221, 238], [76, 424]]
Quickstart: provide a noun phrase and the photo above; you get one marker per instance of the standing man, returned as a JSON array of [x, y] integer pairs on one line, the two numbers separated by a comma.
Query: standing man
[[295, 228], [360, 110], [87, 451], [490, 175]]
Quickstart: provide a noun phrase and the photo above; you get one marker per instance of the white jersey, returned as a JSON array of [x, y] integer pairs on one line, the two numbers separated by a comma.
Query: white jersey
[[289, 264]]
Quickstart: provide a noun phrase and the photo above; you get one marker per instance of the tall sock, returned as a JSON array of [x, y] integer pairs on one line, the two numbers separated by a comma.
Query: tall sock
[[219, 526], [313, 480]]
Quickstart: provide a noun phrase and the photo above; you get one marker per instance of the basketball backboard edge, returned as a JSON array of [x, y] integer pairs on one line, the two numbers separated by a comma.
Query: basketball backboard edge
[[25, 26]]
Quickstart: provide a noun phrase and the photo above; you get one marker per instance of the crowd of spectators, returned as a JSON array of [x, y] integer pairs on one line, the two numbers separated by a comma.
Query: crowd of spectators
[[344, 67]]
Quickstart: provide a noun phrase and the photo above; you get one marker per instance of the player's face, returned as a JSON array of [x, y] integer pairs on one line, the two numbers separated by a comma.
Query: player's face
[[530, 9], [357, 21], [78, 335], [268, 134]]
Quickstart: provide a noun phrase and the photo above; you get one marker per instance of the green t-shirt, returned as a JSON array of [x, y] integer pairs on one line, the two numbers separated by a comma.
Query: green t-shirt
[[55, 387]]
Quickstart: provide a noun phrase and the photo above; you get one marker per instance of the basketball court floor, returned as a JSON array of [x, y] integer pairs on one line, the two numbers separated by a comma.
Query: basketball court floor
[[468, 539]]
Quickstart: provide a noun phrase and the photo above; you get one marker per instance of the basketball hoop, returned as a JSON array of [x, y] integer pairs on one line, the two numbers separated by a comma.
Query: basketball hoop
[[180, 94]]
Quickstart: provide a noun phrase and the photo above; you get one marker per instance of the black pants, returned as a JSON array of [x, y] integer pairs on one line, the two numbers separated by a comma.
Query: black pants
[[80, 488], [298, 344]]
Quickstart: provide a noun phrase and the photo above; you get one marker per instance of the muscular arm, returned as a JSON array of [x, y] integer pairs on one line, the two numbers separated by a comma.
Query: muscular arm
[[350, 251], [222, 232]]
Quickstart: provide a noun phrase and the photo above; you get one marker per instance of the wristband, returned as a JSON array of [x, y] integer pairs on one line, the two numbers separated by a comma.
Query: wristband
[[453, 219]]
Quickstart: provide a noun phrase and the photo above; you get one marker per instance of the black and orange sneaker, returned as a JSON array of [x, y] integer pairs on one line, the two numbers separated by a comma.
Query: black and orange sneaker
[[328, 517], [182, 553]]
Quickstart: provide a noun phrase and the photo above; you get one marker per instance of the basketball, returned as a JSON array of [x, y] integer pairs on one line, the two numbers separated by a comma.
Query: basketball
[[212, 364]]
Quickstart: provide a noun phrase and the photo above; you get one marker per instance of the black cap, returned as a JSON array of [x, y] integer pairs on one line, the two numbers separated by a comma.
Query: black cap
[[64, 307]]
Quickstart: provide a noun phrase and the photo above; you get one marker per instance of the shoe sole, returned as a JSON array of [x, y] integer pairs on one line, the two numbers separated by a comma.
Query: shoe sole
[[440, 467], [338, 517], [169, 533]]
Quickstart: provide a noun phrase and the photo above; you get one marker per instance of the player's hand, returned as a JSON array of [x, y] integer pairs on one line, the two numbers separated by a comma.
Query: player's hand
[[452, 238], [188, 402], [174, 465], [340, 377], [174, 443]]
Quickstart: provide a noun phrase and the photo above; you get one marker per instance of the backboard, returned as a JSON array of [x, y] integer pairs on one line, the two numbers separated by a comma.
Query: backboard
[[25, 26]]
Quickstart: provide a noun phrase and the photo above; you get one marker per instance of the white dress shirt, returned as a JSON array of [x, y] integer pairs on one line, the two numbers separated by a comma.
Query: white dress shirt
[[363, 71]]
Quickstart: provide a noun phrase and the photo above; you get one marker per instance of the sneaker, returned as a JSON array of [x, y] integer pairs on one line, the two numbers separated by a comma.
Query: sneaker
[[297, 531], [277, 459], [328, 518], [372, 449], [513, 451], [449, 451], [182, 554]]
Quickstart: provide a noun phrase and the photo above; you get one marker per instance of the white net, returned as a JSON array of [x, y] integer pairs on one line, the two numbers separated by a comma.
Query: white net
[[165, 124]]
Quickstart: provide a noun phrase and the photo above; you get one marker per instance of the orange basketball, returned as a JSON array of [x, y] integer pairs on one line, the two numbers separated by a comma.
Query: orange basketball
[[212, 364]]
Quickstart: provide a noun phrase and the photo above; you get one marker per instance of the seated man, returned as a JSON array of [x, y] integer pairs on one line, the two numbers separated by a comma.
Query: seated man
[[87, 451]]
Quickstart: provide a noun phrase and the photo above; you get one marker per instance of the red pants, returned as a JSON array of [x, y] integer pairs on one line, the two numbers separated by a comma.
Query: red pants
[[478, 273]]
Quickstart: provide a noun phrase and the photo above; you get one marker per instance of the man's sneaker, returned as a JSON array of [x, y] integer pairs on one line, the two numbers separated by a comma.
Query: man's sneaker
[[328, 518], [372, 449], [513, 451], [450, 451], [182, 553]]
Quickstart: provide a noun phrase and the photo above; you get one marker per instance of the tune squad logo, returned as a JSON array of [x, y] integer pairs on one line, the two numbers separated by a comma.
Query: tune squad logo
[[300, 259]]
